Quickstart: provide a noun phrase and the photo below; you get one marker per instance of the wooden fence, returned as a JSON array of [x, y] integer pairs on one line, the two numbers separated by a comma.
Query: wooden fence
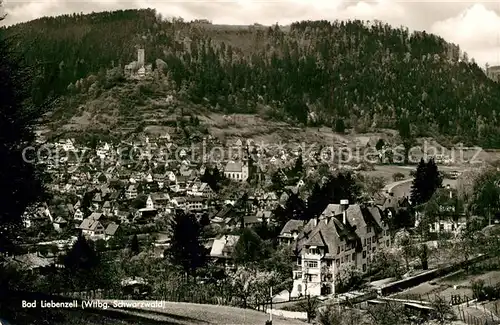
[[488, 317]]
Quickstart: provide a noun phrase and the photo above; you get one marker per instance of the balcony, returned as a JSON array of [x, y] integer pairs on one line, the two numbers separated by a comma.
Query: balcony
[[312, 270], [310, 256]]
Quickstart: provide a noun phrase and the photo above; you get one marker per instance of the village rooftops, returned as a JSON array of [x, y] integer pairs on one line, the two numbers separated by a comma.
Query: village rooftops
[[332, 210], [290, 227], [111, 229], [195, 199], [224, 246], [264, 215], [147, 210], [95, 216], [89, 224], [60, 220]]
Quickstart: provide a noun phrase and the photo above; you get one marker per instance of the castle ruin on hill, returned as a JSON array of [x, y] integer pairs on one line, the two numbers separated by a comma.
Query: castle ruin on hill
[[138, 69]]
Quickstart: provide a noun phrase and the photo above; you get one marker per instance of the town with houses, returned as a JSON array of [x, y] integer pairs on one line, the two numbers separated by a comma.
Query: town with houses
[[112, 193], [148, 185], [104, 194], [122, 194]]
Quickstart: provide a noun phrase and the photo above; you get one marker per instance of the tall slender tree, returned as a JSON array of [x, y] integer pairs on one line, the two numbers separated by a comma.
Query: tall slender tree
[[427, 180], [405, 133], [316, 202], [134, 245], [186, 249], [82, 256], [21, 180], [298, 169]]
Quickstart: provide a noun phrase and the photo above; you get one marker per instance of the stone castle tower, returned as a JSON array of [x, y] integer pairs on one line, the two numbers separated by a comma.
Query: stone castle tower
[[140, 58]]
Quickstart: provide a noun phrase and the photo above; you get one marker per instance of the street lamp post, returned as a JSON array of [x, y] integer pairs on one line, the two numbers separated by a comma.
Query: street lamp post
[[333, 285], [271, 311]]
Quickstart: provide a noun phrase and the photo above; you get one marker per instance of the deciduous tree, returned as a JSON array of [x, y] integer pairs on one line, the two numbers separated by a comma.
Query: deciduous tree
[[485, 200], [249, 248]]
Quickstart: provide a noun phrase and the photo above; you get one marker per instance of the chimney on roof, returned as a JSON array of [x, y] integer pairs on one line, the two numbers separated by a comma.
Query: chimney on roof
[[344, 204]]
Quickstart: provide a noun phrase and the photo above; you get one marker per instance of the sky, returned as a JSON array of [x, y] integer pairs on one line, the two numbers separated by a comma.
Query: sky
[[475, 26]]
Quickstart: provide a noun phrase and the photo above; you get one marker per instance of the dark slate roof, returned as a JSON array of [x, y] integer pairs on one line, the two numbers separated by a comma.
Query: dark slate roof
[[292, 225]]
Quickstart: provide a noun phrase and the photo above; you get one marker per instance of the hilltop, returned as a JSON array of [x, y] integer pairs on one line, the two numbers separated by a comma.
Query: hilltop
[[360, 75]]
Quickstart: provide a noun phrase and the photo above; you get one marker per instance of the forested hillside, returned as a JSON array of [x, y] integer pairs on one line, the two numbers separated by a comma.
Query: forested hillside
[[369, 75]]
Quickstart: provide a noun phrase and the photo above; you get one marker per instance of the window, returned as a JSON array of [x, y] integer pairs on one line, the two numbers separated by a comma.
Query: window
[[364, 267], [299, 261], [314, 251], [338, 249], [387, 243], [329, 263], [441, 227], [353, 257], [374, 239], [312, 264], [433, 226], [364, 243], [368, 229], [373, 249], [364, 254], [299, 288]]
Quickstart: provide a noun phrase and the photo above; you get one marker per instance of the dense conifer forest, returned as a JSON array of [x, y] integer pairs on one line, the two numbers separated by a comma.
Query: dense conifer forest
[[367, 74]]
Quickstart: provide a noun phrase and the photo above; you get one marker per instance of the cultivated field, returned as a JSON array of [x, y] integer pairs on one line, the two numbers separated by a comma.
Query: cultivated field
[[458, 284]]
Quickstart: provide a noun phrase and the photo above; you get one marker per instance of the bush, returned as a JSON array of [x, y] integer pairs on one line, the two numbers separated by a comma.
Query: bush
[[398, 176], [478, 290], [490, 293]]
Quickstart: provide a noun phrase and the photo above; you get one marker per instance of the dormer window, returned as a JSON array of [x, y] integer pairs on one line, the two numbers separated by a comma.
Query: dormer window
[[314, 251]]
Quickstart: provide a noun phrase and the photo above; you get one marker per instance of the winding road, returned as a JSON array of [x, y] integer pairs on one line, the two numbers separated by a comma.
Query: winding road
[[403, 188]]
